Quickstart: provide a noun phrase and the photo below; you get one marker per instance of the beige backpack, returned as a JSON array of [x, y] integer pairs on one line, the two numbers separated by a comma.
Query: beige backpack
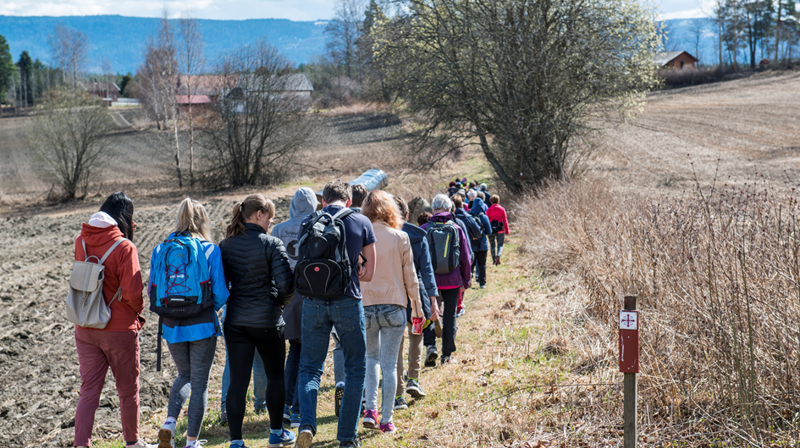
[[86, 306]]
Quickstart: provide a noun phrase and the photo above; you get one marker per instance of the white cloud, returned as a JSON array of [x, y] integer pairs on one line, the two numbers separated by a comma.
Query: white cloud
[[686, 9], [203, 9]]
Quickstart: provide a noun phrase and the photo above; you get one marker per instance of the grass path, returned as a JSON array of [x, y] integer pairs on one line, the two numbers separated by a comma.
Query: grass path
[[470, 402]]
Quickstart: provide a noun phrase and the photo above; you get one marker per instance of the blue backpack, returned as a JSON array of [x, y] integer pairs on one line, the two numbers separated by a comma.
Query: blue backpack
[[181, 286]]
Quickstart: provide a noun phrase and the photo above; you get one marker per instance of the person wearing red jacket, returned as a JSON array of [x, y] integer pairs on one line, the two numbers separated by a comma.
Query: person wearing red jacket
[[499, 220], [116, 345]]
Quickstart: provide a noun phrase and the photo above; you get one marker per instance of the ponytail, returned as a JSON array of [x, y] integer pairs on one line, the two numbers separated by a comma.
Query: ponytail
[[243, 211], [193, 218]]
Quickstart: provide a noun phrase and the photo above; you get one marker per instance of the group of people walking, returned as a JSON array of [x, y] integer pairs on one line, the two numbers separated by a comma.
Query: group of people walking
[[356, 270]]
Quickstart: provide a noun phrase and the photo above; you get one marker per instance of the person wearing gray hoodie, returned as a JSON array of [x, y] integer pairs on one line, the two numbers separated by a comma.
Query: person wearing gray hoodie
[[303, 204]]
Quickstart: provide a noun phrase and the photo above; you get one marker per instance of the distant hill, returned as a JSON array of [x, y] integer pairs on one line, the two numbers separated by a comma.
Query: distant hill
[[121, 40]]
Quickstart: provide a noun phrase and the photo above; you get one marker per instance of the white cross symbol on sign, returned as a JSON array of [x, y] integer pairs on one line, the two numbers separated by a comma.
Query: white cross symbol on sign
[[628, 320]]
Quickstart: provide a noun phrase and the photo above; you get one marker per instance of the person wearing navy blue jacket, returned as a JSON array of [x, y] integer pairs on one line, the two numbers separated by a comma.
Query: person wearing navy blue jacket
[[192, 342], [480, 247]]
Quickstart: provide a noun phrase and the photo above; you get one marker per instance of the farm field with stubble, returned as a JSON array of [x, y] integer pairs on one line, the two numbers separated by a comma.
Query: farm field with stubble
[[517, 381]]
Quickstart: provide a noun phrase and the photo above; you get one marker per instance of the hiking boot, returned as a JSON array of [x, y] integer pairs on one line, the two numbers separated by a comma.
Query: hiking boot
[[400, 404], [483, 286], [287, 414], [447, 360], [166, 435], [349, 444], [388, 428], [338, 395], [413, 388], [285, 439], [460, 312], [304, 439], [498, 260], [371, 419], [223, 417], [295, 421], [431, 356]]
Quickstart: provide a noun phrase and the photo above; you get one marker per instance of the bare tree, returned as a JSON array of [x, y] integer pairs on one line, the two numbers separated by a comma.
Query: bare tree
[[69, 49], [343, 33], [696, 31], [157, 86], [192, 60], [69, 139], [258, 123]]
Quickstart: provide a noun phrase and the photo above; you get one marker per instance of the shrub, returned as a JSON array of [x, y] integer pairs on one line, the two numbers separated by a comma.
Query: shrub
[[690, 76]]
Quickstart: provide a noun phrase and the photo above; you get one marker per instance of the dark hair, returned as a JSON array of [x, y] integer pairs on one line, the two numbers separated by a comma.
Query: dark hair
[[482, 195], [423, 218], [336, 190], [401, 204], [242, 211], [495, 199], [458, 200], [359, 193], [452, 184], [120, 207], [472, 184]]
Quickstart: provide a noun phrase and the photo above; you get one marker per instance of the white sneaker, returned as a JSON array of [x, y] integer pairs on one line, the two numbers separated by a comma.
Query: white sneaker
[[141, 444], [196, 443], [166, 435]]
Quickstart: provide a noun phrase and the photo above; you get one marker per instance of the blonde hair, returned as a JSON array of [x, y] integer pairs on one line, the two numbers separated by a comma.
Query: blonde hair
[[242, 211], [193, 218], [379, 206]]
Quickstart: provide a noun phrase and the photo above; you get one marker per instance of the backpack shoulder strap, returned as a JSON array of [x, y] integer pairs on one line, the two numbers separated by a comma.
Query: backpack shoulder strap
[[343, 213], [85, 254], [111, 249]]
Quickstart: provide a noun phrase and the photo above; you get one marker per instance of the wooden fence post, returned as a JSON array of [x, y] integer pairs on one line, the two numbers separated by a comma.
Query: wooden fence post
[[629, 365]]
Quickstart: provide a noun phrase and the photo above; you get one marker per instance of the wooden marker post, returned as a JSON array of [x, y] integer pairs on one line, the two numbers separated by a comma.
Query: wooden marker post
[[629, 366]]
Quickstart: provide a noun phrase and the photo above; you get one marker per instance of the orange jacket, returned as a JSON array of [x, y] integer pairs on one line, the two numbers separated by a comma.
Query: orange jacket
[[122, 269]]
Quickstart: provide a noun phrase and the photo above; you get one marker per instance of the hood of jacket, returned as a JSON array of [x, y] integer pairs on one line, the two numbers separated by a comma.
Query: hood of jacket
[[99, 236], [442, 217], [415, 234], [478, 207], [304, 203]]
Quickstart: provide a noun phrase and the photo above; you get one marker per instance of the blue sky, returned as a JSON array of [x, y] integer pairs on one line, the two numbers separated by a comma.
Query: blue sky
[[246, 9]]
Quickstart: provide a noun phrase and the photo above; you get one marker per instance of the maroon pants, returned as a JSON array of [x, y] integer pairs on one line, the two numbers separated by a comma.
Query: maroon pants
[[97, 351]]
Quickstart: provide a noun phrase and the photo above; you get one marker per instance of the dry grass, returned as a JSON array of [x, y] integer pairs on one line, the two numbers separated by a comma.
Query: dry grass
[[718, 277]]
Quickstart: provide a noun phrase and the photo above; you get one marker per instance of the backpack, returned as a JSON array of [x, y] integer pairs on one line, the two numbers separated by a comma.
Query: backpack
[[181, 286], [86, 306], [474, 228], [323, 266], [445, 246], [497, 226]]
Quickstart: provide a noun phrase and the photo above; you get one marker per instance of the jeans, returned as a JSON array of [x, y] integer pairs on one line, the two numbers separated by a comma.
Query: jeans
[[450, 326], [290, 375], [385, 326], [338, 360], [242, 342], [193, 360], [480, 266], [319, 317], [498, 239]]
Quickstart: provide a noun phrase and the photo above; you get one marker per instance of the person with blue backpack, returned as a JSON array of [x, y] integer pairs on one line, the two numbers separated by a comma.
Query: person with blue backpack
[[480, 246], [187, 287], [261, 285]]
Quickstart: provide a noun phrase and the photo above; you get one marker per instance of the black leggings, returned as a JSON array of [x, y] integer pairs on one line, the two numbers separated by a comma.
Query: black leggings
[[241, 343]]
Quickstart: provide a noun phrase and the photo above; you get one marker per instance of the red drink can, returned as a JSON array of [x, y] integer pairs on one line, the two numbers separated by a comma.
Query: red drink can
[[416, 325]]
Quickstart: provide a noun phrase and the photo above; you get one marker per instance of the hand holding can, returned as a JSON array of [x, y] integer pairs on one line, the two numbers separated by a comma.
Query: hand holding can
[[416, 325]]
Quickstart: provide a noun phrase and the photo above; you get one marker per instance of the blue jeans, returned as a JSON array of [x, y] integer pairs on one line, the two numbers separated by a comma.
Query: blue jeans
[[319, 317], [259, 378], [290, 374], [385, 327]]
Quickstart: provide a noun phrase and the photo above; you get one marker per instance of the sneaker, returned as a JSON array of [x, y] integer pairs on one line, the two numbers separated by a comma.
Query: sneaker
[[400, 404], [388, 428], [285, 439], [371, 419], [338, 395], [287, 414], [349, 444], [223, 418], [430, 358], [166, 435], [295, 420], [498, 260], [414, 389], [304, 439], [198, 443], [236, 445], [141, 444], [483, 286], [447, 360], [461, 311]]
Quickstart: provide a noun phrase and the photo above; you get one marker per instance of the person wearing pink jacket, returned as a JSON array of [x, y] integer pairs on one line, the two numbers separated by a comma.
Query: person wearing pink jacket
[[499, 220]]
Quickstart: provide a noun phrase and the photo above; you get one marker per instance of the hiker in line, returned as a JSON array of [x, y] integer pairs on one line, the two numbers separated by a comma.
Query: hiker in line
[[116, 345], [480, 246], [453, 189], [487, 196], [499, 220], [192, 341], [261, 284], [386, 297], [430, 307], [448, 283], [359, 194], [303, 203], [472, 229], [345, 311]]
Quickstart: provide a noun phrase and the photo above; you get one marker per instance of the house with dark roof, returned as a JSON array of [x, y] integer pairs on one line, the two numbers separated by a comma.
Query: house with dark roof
[[106, 91], [675, 59]]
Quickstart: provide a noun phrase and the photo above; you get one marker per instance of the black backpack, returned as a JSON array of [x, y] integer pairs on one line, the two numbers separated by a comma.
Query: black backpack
[[445, 246], [323, 267], [497, 226], [474, 227]]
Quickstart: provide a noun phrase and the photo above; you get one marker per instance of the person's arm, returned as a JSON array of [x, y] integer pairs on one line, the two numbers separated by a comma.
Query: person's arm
[[487, 225], [410, 279], [366, 272], [505, 223], [217, 274], [281, 270], [429, 278], [130, 277], [466, 260]]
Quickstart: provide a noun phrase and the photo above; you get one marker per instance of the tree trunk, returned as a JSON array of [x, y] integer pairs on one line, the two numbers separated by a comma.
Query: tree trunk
[[191, 145], [778, 29], [177, 151]]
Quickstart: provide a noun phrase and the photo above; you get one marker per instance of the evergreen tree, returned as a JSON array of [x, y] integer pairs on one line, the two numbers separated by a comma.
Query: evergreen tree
[[7, 69], [26, 78], [124, 84]]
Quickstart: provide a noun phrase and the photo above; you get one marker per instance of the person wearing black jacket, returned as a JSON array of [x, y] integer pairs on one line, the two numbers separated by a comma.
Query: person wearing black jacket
[[261, 284]]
